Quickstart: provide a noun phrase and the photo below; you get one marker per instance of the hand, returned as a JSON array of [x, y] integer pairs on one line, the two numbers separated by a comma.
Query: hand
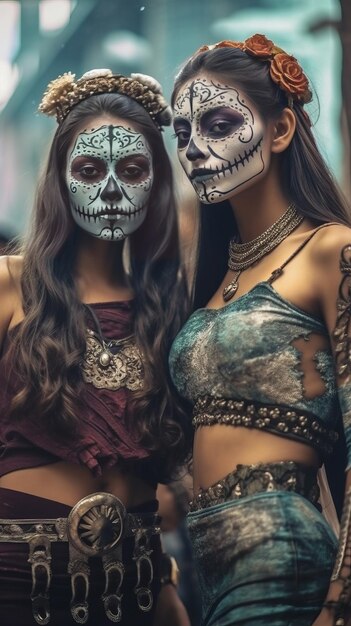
[[327, 614], [326, 618], [170, 610]]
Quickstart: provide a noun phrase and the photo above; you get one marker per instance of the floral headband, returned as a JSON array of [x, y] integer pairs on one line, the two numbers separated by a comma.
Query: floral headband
[[63, 93], [284, 69]]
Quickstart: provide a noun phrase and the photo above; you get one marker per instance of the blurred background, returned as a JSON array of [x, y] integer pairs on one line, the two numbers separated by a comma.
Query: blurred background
[[40, 39]]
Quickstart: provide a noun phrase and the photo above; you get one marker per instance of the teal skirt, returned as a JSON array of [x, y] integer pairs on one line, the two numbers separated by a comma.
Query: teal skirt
[[264, 559]]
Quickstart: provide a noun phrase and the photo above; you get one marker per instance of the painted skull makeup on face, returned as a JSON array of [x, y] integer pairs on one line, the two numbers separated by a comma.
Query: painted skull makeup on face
[[109, 178], [220, 138]]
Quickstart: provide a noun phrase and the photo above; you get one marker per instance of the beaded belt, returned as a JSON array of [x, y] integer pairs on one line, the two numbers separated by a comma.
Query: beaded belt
[[247, 480], [294, 424], [95, 527]]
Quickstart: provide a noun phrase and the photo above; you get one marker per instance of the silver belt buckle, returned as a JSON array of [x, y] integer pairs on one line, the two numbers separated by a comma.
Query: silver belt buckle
[[95, 528], [96, 524]]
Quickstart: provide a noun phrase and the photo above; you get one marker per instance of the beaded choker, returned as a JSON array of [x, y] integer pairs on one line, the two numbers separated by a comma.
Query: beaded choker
[[243, 255]]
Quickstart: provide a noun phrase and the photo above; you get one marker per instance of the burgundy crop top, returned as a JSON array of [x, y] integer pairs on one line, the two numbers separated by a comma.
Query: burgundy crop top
[[104, 438]]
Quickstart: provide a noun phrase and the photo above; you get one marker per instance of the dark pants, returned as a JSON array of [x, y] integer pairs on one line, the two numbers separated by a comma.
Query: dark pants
[[15, 572]]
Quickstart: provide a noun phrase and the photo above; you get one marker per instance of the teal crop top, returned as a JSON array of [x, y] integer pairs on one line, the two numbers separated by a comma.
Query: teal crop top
[[246, 350], [261, 362], [252, 350]]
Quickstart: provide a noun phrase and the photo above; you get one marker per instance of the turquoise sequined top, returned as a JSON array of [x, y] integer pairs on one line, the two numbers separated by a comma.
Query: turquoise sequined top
[[253, 349]]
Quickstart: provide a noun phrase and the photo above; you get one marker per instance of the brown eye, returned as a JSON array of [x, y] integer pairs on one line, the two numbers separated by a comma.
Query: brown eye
[[88, 170], [220, 128], [182, 132], [221, 122], [134, 169]]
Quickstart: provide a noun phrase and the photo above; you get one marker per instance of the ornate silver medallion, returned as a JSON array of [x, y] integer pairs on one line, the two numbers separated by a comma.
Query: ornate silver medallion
[[114, 364]]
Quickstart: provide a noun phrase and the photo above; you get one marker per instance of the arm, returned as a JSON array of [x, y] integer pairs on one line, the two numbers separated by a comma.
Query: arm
[[173, 505], [10, 268], [337, 606], [170, 610], [174, 501], [335, 290]]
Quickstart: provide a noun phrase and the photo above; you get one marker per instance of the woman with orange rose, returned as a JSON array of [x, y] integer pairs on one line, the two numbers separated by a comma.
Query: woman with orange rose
[[265, 358]]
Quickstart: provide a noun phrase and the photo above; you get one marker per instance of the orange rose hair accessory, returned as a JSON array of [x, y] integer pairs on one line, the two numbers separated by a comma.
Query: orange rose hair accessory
[[259, 46], [287, 73], [285, 70]]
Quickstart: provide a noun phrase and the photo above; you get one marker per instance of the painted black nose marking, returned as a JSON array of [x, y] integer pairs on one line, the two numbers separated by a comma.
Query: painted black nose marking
[[193, 152], [112, 191]]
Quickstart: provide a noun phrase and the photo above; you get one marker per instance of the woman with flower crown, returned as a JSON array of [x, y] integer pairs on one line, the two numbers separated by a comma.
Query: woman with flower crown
[[89, 421], [265, 356]]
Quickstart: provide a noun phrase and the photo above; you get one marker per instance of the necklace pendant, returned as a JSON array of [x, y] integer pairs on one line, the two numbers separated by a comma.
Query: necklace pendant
[[104, 358], [230, 290]]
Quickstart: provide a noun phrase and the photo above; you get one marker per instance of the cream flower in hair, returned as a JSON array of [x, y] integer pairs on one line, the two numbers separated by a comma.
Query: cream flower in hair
[[148, 81], [165, 115], [96, 74], [58, 91], [63, 93]]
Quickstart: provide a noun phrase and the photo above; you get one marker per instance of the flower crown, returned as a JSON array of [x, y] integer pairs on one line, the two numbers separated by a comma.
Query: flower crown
[[63, 93], [284, 69]]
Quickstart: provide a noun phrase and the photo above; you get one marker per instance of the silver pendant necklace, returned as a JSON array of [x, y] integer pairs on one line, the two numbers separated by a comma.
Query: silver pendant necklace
[[111, 363], [244, 255], [230, 290]]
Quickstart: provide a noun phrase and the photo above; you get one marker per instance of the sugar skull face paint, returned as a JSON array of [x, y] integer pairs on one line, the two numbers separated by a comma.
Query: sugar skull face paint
[[109, 177], [221, 138]]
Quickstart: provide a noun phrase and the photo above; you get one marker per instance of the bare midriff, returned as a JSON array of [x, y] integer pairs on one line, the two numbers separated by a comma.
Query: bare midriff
[[219, 448], [68, 483]]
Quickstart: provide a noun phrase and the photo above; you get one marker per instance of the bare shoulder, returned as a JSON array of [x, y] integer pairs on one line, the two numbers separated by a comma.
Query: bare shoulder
[[328, 243], [10, 272], [10, 290], [329, 249]]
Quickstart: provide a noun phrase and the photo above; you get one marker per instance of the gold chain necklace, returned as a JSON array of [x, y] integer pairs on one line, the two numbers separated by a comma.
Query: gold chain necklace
[[243, 255]]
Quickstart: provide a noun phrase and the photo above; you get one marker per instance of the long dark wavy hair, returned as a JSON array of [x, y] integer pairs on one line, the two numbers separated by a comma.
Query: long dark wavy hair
[[306, 179], [50, 342]]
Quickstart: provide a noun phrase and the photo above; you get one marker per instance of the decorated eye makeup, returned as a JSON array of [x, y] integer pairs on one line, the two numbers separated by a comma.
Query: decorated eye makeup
[[109, 176], [133, 169], [220, 122], [220, 138], [182, 131], [88, 169]]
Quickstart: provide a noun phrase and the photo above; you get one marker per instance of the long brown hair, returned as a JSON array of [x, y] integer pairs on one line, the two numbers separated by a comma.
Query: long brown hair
[[306, 179], [50, 341]]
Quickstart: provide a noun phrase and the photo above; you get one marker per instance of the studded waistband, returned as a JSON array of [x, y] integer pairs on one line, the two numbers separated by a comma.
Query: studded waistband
[[248, 480], [287, 422]]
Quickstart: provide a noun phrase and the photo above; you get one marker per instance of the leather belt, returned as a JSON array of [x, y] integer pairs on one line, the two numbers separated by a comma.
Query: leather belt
[[95, 527]]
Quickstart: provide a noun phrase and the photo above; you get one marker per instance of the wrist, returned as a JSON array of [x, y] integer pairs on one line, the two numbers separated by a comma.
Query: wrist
[[338, 609], [169, 571]]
